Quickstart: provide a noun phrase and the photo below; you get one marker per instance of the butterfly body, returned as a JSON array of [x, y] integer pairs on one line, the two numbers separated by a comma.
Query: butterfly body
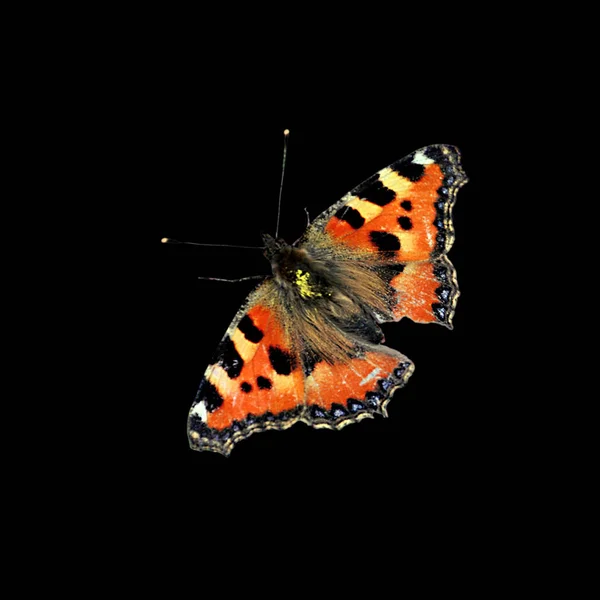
[[306, 345], [295, 270]]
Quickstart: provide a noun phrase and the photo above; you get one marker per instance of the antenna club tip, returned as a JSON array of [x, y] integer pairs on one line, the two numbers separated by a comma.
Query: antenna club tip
[[286, 132], [165, 240]]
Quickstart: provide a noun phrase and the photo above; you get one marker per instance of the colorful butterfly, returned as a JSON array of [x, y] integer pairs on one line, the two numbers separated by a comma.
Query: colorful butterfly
[[306, 345]]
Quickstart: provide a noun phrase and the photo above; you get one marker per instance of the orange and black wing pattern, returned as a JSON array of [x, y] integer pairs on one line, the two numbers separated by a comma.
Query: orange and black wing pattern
[[403, 214], [346, 392], [256, 381], [267, 375]]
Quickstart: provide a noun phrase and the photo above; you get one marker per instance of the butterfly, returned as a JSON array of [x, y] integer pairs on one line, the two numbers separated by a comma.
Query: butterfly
[[306, 346]]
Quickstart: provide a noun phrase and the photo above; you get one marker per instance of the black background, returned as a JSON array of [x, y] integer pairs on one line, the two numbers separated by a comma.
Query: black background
[[185, 121]]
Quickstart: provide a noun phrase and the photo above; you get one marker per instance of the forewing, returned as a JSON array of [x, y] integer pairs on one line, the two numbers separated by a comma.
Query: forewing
[[254, 383], [403, 214]]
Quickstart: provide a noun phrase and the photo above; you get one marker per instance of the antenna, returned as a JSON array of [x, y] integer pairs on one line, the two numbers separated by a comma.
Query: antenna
[[286, 133], [172, 241]]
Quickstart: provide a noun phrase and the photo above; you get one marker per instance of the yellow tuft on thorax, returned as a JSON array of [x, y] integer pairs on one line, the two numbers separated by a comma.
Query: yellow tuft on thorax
[[306, 289]]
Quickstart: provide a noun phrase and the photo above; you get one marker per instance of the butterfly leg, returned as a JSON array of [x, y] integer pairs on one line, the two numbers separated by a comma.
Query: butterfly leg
[[307, 224]]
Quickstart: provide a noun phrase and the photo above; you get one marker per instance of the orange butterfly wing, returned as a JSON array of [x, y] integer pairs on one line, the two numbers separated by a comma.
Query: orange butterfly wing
[[259, 381], [344, 393], [255, 383], [404, 213]]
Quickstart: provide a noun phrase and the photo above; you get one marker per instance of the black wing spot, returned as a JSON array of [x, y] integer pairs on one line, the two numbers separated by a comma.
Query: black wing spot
[[405, 223], [406, 205], [401, 369], [376, 193], [263, 383], [210, 395], [351, 216], [385, 241], [251, 332], [390, 271], [355, 405], [316, 412], [384, 385], [229, 358], [246, 387], [372, 399], [309, 361], [412, 171], [199, 426], [337, 410], [443, 293], [283, 362], [439, 311], [441, 273], [436, 153], [440, 238]]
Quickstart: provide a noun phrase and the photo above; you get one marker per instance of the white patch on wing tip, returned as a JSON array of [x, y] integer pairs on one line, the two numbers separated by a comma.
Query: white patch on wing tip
[[370, 376], [420, 159], [200, 410]]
